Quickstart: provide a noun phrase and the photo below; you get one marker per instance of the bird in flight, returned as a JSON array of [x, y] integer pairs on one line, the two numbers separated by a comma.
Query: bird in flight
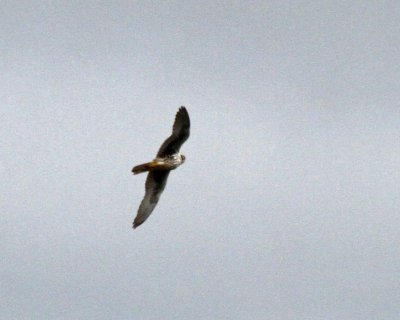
[[168, 158]]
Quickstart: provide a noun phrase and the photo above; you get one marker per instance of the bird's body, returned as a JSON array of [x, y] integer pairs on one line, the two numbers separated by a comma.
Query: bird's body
[[167, 163], [168, 158]]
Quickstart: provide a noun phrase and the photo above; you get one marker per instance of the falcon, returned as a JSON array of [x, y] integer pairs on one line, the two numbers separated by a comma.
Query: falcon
[[168, 158]]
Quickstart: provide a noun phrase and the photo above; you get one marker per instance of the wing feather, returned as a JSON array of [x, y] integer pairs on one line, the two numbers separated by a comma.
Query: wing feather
[[180, 133], [155, 184]]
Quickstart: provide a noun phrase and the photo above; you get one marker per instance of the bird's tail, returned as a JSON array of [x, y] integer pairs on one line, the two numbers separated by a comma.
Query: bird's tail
[[144, 167]]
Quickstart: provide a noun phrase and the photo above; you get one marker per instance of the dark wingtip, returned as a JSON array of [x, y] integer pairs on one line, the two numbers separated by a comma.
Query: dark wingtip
[[136, 224], [183, 112]]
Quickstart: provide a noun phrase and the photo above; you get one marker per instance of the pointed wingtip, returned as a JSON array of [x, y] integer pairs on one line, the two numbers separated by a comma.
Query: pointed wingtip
[[182, 112], [136, 224]]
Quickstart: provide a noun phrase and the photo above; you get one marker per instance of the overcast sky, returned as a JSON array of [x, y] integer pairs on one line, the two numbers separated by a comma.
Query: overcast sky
[[287, 206]]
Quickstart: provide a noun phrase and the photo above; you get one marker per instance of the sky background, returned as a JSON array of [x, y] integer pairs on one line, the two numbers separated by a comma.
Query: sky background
[[287, 206]]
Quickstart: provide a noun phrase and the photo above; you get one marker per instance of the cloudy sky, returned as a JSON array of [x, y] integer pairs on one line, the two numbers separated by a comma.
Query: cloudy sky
[[288, 204]]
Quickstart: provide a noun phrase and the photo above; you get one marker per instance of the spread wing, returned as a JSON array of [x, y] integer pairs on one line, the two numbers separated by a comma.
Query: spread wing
[[180, 133], [155, 184]]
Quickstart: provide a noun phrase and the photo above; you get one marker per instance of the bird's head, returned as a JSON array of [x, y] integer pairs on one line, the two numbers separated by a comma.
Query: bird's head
[[183, 158]]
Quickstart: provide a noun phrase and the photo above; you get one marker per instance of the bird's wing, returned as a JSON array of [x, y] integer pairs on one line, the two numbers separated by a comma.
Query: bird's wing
[[180, 133], [155, 184]]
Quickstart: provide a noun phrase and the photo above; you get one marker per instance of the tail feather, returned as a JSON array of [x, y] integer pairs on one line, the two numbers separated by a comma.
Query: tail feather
[[142, 168]]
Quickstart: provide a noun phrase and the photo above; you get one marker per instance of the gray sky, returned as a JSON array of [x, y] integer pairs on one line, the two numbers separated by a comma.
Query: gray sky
[[288, 204]]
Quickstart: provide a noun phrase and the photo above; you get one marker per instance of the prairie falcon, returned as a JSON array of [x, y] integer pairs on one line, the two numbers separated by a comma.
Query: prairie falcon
[[168, 158]]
